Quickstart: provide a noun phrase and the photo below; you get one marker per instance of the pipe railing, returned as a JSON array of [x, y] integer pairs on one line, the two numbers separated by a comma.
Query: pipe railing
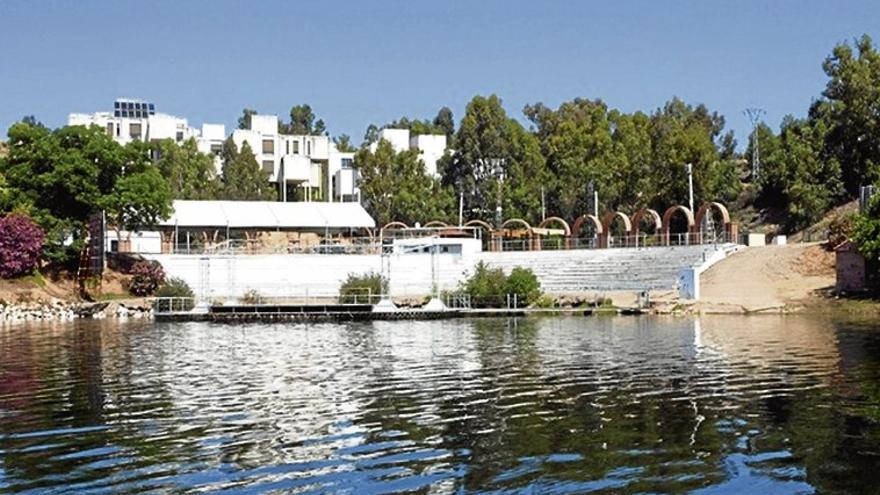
[[535, 243]]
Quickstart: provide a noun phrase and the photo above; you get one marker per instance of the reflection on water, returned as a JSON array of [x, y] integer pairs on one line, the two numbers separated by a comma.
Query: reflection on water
[[561, 405]]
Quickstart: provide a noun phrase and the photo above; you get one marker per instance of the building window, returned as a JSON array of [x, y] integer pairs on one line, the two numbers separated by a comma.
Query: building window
[[134, 130], [268, 166], [217, 149], [110, 129], [347, 163], [296, 147], [269, 146], [179, 136], [309, 148]]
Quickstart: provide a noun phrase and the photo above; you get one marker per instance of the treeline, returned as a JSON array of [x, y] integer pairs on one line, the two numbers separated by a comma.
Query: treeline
[[636, 159]]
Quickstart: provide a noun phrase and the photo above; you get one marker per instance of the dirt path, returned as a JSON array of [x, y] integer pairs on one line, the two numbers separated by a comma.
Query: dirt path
[[763, 278]]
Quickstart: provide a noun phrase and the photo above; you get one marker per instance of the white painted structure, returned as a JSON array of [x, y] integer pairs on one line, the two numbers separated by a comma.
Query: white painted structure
[[311, 163], [415, 274], [268, 215], [225, 216], [137, 120], [756, 240], [431, 147]]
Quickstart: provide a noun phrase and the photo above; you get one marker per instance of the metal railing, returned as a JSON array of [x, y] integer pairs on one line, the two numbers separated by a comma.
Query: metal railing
[[496, 301], [370, 246], [172, 305]]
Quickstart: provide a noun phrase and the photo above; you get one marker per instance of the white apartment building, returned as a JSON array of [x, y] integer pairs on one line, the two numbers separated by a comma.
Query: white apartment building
[[304, 167], [137, 120], [431, 147]]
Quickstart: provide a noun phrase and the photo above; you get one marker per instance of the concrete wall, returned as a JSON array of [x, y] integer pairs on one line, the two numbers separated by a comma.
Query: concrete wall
[[414, 274]]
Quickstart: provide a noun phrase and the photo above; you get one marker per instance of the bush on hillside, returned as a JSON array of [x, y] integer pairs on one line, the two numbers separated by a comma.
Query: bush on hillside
[[147, 277], [840, 229], [359, 288], [21, 244]]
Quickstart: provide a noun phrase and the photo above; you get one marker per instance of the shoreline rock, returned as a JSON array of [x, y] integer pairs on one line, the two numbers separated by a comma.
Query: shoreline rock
[[58, 310]]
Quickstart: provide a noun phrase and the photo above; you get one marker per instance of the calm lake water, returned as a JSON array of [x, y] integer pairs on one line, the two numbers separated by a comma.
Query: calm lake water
[[545, 405]]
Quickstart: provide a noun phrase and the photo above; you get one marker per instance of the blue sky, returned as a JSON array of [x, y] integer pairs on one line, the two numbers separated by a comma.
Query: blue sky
[[363, 62]]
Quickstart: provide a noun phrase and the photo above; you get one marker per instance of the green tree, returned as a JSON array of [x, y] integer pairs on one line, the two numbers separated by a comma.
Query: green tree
[[303, 121], [394, 186], [343, 143], [495, 157], [796, 176], [851, 104], [59, 178], [5, 192], [682, 134], [371, 135], [190, 173], [576, 141], [244, 122], [243, 178], [866, 234], [445, 122], [137, 201]]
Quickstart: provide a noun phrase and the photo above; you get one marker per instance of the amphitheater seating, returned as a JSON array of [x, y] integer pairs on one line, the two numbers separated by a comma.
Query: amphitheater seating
[[605, 269]]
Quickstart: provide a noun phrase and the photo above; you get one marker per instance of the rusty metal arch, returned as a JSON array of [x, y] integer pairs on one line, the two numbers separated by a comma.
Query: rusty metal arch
[[518, 221], [579, 224], [652, 215], [478, 223], [547, 221], [436, 223], [394, 225], [609, 218], [672, 210], [704, 209]]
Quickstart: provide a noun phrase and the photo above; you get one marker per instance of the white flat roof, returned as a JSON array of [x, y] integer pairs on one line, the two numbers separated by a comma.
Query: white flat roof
[[268, 214]]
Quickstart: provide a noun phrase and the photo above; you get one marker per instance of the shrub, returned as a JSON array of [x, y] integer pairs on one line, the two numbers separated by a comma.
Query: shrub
[[489, 287], [485, 287], [175, 287], [21, 243], [523, 283], [545, 301], [148, 276], [356, 288], [252, 296]]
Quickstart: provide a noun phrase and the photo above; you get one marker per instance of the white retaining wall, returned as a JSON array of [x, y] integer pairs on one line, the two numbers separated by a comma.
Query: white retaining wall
[[413, 274]]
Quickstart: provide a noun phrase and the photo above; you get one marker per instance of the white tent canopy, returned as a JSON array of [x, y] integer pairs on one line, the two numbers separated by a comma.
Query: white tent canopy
[[268, 215]]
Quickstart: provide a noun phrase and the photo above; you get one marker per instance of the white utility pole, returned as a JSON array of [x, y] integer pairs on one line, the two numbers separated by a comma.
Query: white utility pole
[[691, 185], [543, 205], [460, 208]]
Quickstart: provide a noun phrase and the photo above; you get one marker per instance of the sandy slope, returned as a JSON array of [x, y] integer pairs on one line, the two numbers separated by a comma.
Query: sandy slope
[[769, 277]]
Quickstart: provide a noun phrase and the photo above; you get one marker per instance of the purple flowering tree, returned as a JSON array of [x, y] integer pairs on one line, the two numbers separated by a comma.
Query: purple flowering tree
[[21, 244]]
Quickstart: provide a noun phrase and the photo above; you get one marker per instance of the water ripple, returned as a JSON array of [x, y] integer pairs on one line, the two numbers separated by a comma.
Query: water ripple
[[551, 405]]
